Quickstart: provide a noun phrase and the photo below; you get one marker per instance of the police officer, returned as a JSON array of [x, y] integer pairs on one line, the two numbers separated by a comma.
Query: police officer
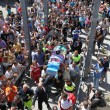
[[69, 86]]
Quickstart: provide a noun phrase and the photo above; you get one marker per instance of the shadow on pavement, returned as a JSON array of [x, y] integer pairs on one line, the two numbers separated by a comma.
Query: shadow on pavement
[[105, 85]]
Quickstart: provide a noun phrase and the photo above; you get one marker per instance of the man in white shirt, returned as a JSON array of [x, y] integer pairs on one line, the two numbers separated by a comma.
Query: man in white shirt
[[64, 103], [9, 73], [16, 68], [33, 54]]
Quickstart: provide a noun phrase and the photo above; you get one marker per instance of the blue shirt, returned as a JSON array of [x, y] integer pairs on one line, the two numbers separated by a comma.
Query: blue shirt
[[74, 71], [75, 34], [40, 58], [20, 58], [72, 4], [98, 71]]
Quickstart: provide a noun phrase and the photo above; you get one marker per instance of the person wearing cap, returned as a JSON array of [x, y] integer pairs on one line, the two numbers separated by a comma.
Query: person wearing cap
[[69, 86], [98, 69]]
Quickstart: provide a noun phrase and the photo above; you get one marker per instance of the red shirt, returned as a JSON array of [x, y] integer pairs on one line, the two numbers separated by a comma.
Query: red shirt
[[0, 59], [19, 9]]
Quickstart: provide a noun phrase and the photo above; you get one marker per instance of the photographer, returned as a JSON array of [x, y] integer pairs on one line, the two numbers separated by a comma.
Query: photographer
[[97, 100]]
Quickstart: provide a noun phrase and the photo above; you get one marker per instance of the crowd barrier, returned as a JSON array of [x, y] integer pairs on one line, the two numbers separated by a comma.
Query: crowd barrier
[[20, 77]]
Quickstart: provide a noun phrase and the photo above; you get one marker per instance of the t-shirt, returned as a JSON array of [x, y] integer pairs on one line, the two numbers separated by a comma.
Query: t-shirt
[[74, 71], [99, 71], [106, 65], [2, 44], [65, 104], [8, 74], [9, 90], [15, 69], [40, 58]]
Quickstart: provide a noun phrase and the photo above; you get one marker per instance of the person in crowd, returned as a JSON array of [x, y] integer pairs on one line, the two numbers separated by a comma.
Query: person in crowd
[[21, 58], [69, 86], [2, 97], [2, 43], [43, 74], [59, 82], [79, 46], [17, 48], [17, 103], [35, 71], [54, 108], [8, 8], [40, 57], [67, 18], [9, 74], [10, 92], [97, 100], [85, 105], [74, 71], [42, 97], [64, 103], [98, 70], [106, 67], [66, 74], [75, 34], [76, 57], [2, 77], [26, 94], [16, 68]]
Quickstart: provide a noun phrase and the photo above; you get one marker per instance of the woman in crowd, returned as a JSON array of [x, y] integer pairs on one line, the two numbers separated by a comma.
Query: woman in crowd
[[35, 71]]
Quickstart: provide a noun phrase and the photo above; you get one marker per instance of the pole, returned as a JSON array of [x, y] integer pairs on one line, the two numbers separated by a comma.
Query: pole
[[46, 12], [26, 29], [91, 36]]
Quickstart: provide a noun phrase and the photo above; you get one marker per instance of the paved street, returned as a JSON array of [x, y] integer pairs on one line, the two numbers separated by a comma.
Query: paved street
[[105, 86]]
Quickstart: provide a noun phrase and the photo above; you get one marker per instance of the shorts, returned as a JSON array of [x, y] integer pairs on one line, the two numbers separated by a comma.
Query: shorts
[[103, 74]]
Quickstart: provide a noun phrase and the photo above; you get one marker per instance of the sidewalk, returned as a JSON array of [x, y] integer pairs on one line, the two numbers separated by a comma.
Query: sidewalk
[[105, 85]]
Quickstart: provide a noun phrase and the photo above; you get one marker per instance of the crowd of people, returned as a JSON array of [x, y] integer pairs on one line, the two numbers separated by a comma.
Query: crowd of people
[[66, 19]]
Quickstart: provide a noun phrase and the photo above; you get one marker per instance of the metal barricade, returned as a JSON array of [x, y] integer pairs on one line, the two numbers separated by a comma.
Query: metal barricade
[[20, 77]]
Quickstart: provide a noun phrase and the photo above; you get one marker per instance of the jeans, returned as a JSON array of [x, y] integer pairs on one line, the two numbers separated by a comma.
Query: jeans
[[96, 82]]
